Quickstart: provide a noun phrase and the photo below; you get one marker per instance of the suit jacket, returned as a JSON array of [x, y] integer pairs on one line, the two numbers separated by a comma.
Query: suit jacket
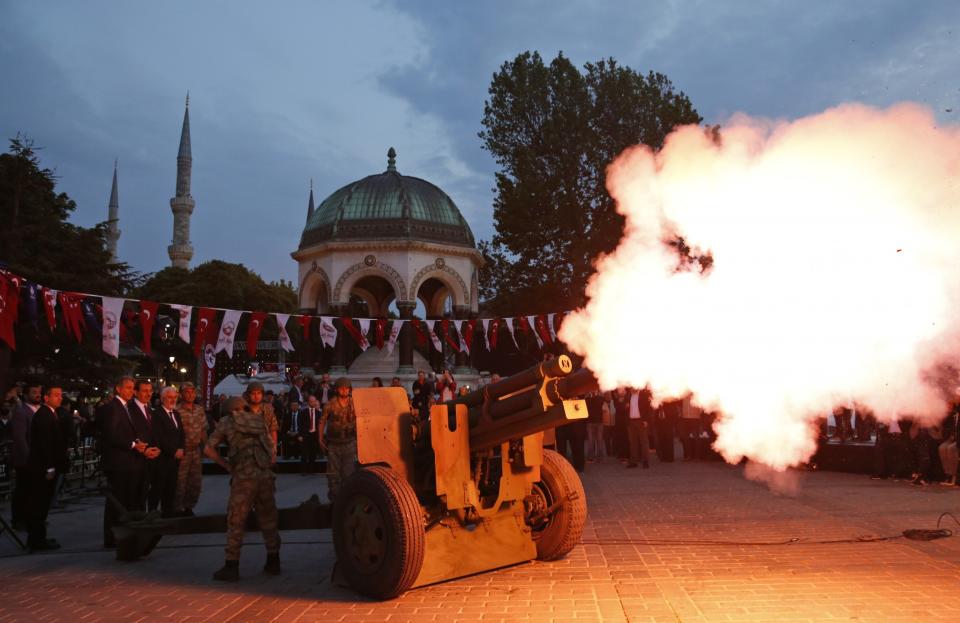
[[20, 425], [47, 447], [303, 421], [167, 436], [119, 429]]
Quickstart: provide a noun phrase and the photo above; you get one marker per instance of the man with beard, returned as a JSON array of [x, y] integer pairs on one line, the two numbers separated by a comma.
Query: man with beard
[[168, 432], [190, 475], [48, 459], [20, 425]]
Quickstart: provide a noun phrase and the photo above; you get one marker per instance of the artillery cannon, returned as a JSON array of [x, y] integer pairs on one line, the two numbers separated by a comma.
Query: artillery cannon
[[469, 489]]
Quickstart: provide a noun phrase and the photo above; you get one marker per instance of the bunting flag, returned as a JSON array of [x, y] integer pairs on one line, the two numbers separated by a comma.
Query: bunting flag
[[513, 337], [464, 344], [328, 331], [358, 337], [419, 332], [486, 333], [253, 331], [394, 334], [228, 332], [553, 331], [445, 329], [541, 329], [431, 325], [205, 319], [30, 301], [50, 307], [90, 317], [466, 334], [526, 324], [148, 315], [72, 316], [9, 301], [283, 336], [305, 324], [185, 312], [364, 332], [112, 311], [379, 332]]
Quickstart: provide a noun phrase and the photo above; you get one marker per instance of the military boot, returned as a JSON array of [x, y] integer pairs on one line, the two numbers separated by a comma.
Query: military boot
[[273, 565], [230, 571]]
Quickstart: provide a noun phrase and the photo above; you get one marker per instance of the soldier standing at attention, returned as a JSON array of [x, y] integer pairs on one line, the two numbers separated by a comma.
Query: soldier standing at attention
[[195, 435], [251, 453], [338, 430], [255, 404]]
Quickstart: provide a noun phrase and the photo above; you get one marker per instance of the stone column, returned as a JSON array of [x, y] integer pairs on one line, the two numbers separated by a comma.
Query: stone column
[[461, 313], [339, 367], [406, 337]]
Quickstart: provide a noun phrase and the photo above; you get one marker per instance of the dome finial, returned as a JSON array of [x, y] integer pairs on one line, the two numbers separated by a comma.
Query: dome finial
[[392, 160]]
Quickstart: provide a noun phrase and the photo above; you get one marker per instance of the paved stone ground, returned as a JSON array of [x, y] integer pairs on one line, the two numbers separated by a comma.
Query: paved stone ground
[[673, 543]]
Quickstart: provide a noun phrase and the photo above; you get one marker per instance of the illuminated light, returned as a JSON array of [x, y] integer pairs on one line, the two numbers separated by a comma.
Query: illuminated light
[[834, 281]]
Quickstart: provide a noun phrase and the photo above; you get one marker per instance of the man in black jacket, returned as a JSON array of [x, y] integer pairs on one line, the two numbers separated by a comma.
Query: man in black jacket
[[124, 454], [48, 458], [142, 415], [168, 434], [307, 420]]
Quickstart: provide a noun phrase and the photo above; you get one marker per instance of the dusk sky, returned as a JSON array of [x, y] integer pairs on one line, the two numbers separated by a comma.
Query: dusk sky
[[284, 92]]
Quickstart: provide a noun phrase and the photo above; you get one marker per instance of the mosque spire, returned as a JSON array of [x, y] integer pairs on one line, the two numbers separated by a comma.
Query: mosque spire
[[391, 160], [182, 204], [310, 202], [113, 217]]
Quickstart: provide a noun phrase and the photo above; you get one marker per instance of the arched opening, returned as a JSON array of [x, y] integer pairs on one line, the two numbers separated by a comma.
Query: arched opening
[[315, 294]]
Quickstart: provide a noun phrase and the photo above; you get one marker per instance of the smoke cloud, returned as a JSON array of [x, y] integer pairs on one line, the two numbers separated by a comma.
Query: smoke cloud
[[835, 242]]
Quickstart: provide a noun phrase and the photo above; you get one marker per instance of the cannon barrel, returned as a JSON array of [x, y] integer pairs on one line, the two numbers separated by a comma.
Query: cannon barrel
[[539, 398]]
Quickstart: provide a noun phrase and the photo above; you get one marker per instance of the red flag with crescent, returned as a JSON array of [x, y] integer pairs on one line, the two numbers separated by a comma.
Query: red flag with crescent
[[494, 333], [72, 314], [418, 331], [9, 301], [50, 307], [147, 316], [467, 332], [542, 329], [380, 332], [205, 320], [445, 329], [253, 332], [305, 324], [355, 332]]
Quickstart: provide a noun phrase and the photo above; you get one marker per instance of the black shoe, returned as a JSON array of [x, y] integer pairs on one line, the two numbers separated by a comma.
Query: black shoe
[[631, 465], [230, 572], [272, 567]]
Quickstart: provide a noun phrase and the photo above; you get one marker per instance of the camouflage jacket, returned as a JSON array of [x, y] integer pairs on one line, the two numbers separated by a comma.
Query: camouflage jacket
[[269, 417], [250, 448], [194, 426], [338, 422]]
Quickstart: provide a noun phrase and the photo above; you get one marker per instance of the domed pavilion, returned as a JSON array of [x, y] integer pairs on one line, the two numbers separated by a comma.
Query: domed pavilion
[[387, 239]]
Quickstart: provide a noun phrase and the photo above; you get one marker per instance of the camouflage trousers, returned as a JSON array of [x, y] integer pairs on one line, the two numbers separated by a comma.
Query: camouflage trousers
[[341, 462], [188, 481], [247, 493]]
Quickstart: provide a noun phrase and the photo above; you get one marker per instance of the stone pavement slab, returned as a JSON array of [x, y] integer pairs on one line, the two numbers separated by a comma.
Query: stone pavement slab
[[687, 542]]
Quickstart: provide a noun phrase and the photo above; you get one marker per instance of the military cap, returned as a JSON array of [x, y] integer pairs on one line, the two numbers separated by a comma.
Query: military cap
[[235, 403], [187, 385], [344, 382], [255, 386]]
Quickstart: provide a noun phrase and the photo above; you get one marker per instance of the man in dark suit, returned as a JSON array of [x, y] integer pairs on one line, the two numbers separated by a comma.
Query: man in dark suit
[[20, 453], [124, 454], [48, 459], [169, 437], [142, 415], [308, 418]]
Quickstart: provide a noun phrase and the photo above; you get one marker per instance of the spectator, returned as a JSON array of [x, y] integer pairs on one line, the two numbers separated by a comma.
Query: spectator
[[640, 414], [170, 438], [609, 424], [308, 419], [420, 390], [376, 382], [20, 426], [48, 458], [395, 382], [446, 386], [690, 429], [325, 390], [666, 422], [619, 440], [595, 407]]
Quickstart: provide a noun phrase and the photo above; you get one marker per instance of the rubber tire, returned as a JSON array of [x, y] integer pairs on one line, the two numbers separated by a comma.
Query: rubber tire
[[403, 527], [563, 532]]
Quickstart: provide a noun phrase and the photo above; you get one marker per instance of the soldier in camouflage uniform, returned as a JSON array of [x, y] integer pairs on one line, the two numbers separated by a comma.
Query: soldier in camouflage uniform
[[338, 426], [251, 454], [195, 436], [255, 404]]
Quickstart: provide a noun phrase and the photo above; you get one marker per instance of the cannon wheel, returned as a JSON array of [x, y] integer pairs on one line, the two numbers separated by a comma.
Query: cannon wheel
[[378, 532], [560, 532]]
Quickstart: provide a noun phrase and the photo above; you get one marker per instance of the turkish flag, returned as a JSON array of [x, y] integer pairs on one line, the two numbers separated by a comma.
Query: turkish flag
[[445, 329], [494, 333], [418, 330], [253, 332], [380, 332], [147, 316], [205, 319], [305, 323], [9, 301], [50, 307]]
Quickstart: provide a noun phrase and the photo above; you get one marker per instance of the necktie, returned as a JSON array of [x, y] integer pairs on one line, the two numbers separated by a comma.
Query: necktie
[[296, 423], [173, 418], [312, 422], [146, 411]]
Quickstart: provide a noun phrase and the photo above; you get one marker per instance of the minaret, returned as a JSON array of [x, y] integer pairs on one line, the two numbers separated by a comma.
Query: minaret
[[310, 203], [113, 218], [182, 204]]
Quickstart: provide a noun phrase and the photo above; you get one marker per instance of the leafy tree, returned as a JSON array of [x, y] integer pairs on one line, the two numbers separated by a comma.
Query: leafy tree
[[553, 130], [219, 284]]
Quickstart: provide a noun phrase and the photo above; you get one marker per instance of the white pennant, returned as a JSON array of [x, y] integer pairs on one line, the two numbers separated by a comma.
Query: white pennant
[[112, 311], [328, 331], [283, 336], [486, 332], [553, 332], [185, 312], [364, 330], [532, 321], [228, 332], [463, 343], [509, 323], [394, 334], [433, 335]]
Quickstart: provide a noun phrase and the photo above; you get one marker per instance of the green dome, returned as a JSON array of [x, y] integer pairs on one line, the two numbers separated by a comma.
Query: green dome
[[387, 206]]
